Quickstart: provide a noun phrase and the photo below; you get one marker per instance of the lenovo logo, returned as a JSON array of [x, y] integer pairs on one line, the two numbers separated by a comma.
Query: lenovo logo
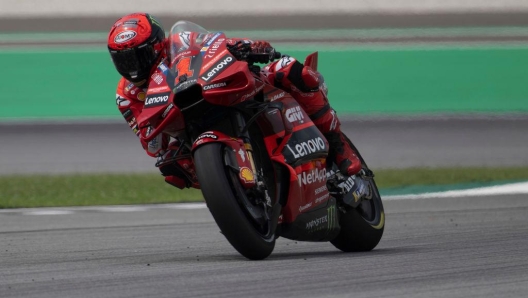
[[308, 147], [156, 100], [213, 72]]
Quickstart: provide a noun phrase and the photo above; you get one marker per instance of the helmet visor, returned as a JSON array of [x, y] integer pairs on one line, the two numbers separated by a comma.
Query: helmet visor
[[134, 63]]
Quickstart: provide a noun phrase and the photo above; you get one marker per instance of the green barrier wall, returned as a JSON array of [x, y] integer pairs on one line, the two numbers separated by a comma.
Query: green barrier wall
[[82, 84]]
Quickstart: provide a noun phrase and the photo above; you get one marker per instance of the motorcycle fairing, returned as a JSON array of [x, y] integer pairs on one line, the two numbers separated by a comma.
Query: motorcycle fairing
[[285, 123], [201, 68], [159, 110], [306, 190], [228, 80], [318, 224], [232, 85], [186, 69], [304, 145], [288, 124]]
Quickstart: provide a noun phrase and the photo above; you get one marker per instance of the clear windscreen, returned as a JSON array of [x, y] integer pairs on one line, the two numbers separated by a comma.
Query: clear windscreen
[[184, 35]]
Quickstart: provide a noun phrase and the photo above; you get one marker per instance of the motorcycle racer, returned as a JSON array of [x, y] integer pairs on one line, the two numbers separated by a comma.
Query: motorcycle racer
[[137, 44]]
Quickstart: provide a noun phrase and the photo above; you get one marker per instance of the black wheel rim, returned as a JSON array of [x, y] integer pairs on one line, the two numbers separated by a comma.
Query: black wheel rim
[[370, 210]]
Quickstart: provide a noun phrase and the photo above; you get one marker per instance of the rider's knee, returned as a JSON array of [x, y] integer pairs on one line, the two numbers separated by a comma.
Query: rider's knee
[[288, 71]]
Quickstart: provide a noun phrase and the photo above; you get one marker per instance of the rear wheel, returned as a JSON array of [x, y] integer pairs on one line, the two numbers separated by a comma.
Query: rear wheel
[[361, 227], [244, 223]]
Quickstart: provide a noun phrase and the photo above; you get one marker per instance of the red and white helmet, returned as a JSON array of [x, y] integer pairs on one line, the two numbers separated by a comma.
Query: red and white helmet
[[135, 43]]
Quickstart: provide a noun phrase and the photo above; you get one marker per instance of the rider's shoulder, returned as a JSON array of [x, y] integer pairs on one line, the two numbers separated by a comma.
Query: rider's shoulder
[[128, 90]]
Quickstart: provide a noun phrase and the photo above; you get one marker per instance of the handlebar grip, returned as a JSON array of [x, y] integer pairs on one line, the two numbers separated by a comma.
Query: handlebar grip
[[270, 55]]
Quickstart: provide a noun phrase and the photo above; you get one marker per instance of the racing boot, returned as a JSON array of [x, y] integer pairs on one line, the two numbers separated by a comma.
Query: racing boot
[[342, 152], [345, 157]]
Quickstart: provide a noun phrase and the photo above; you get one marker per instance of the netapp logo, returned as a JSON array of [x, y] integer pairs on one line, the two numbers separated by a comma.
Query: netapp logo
[[316, 175], [213, 72]]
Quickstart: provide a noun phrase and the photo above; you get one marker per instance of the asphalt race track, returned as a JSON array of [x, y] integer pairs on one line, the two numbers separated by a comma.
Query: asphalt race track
[[460, 247]]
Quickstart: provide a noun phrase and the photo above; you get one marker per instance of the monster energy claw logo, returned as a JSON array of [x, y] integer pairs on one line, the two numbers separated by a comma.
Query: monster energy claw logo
[[332, 217], [154, 21]]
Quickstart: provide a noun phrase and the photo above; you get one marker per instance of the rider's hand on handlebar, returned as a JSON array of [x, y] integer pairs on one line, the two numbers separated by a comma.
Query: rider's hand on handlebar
[[260, 47], [259, 51], [240, 48]]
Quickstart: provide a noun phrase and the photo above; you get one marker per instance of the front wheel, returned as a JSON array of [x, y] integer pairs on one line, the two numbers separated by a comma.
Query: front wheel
[[227, 201]]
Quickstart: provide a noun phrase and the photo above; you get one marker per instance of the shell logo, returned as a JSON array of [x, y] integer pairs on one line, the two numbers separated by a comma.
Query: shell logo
[[247, 175], [125, 36], [141, 96]]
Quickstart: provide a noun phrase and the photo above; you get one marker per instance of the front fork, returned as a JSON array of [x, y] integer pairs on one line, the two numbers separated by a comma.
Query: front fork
[[272, 210], [239, 124]]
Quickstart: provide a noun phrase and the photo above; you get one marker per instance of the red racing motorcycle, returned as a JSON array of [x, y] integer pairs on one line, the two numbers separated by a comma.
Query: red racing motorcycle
[[262, 165]]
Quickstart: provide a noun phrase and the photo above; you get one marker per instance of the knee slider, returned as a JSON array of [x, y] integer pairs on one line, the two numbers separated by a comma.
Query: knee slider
[[303, 77], [288, 71]]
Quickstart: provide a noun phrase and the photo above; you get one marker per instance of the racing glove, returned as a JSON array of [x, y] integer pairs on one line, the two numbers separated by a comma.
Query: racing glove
[[240, 46], [260, 46]]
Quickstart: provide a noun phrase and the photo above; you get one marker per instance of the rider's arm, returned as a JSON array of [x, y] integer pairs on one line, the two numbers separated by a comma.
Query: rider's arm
[[130, 100]]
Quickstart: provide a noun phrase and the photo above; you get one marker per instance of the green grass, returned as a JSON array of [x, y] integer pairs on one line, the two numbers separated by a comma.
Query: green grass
[[113, 189], [393, 178], [89, 189]]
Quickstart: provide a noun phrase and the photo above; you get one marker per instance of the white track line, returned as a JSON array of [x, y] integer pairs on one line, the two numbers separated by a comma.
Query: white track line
[[46, 212], [514, 188], [507, 189]]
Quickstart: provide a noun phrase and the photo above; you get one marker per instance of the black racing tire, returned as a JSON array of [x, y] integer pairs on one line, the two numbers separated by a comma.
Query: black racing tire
[[361, 227], [220, 192]]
